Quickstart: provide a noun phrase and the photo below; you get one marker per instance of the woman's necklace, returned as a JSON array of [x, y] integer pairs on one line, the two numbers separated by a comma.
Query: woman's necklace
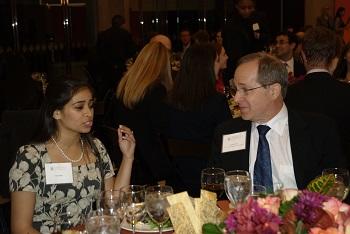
[[65, 156]]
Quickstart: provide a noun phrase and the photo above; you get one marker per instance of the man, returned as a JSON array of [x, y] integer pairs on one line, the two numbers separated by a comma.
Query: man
[[286, 42], [319, 92], [246, 32], [114, 47], [296, 147], [185, 40]]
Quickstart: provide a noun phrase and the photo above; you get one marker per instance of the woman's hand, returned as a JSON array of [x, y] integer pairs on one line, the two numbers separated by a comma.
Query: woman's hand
[[126, 142]]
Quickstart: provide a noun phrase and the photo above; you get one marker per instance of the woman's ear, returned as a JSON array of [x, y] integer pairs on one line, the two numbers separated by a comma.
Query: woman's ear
[[56, 114]]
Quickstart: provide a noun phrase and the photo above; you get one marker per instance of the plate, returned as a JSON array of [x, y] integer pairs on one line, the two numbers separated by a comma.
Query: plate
[[144, 227]]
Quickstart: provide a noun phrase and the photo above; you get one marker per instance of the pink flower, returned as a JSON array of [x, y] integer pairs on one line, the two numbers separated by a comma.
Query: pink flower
[[332, 206], [270, 203], [317, 230]]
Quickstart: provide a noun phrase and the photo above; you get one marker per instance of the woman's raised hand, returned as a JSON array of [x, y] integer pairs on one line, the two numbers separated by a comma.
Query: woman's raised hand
[[126, 142]]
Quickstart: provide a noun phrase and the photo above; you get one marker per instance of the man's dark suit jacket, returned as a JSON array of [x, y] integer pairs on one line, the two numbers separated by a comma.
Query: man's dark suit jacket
[[313, 139], [299, 69], [319, 92]]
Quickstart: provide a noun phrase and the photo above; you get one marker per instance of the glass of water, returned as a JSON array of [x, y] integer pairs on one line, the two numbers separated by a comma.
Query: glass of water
[[157, 204], [340, 188], [237, 185], [134, 204], [97, 223]]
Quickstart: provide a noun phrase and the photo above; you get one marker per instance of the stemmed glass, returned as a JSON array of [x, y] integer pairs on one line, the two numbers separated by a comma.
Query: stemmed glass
[[111, 202], [212, 179], [157, 204], [134, 204], [340, 188], [237, 185]]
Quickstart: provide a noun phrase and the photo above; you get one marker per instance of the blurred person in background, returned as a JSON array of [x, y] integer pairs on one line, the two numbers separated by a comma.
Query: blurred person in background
[[319, 92], [138, 104], [194, 109], [246, 32], [285, 43], [342, 70]]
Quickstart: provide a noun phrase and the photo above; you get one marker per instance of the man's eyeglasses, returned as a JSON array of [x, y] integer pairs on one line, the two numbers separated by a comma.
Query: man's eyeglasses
[[245, 91]]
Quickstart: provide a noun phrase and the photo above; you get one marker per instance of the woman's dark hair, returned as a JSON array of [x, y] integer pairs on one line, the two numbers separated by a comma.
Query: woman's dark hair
[[58, 93], [196, 79], [342, 66], [339, 10]]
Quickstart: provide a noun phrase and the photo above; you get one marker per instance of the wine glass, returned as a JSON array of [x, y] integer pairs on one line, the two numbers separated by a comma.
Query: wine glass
[[134, 204], [237, 185], [111, 202], [157, 204], [212, 179], [340, 188]]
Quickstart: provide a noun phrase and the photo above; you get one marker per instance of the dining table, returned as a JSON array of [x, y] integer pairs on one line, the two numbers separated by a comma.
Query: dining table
[[223, 205]]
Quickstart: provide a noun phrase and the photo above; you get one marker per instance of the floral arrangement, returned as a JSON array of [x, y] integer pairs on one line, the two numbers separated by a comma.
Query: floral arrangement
[[292, 212]]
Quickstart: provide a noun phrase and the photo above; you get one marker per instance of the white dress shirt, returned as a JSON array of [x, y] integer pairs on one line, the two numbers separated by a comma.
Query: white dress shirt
[[289, 65], [280, 150]]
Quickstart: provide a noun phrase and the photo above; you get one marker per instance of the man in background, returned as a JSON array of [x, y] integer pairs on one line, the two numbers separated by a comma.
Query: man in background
[[114, 47], [286, 42], [319, 92], [246, 32]]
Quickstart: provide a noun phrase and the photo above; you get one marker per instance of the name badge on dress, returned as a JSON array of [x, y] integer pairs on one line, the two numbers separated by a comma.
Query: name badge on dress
[[233, 142], [59, 173]]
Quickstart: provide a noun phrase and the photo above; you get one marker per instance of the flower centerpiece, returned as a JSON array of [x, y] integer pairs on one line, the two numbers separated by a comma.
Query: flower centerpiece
[[293, 211]]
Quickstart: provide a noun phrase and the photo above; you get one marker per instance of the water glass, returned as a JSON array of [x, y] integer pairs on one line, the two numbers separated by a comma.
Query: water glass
[[100, 223], [237, 185], [340, 188], [134, 204], [157, 204], [212, 179]]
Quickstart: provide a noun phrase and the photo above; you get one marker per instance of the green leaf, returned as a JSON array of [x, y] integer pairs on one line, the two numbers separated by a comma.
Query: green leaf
[[321, 184], [300, 228], [210, 228], [286, 206]]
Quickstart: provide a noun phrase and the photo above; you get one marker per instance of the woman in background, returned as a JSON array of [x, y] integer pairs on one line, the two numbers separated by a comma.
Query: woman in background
[[138, 105], [339, 24], [194, 109], [55, 178], [220, 65], [342, 70]]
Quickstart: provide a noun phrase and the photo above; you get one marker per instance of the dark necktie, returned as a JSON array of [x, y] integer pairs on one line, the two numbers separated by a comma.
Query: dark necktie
[[262, 166]]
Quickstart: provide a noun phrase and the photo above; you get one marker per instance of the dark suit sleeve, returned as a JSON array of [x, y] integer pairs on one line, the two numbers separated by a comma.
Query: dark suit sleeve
[[332, 150]]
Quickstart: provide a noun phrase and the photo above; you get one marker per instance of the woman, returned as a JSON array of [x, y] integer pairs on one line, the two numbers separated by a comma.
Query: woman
[[220, 65], [194, 109], [339, 24], [138, 105], [342, 70], [56, 178]]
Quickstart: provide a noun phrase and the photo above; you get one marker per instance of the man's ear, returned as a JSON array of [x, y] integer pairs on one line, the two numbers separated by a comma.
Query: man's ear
[[275, 90]]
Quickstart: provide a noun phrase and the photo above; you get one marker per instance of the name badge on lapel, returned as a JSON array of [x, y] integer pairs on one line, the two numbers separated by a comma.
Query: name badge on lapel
[[234, 142], [59, 173], [256, 27]]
